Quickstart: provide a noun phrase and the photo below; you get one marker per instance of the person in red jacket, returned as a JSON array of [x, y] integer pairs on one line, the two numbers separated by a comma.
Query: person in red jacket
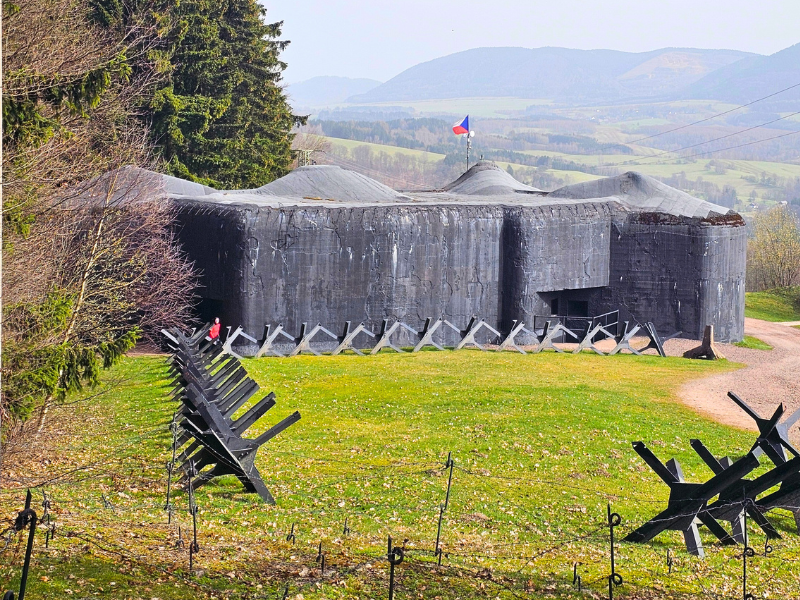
[[213, 334]]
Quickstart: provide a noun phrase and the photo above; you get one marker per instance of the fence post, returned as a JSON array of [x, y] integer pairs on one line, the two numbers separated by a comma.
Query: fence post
[[346, 529], [170, 468], [449, 464], [395, 556], [46, 520], [439, 535], [747, 553], [576, 579], [25, 518], [321, 560], [443, 507], [614, 578], [193, 545]]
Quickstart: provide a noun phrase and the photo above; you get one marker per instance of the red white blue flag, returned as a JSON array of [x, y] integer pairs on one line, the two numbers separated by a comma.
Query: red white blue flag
[[461, 126]]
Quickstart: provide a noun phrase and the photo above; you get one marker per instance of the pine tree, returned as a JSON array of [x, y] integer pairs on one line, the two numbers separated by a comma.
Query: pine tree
[[223, 119]]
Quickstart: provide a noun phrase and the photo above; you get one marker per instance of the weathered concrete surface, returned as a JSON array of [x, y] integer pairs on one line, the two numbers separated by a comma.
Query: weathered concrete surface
[[324, 182], [642, 194], [330, 265], [679, 273], [485, 179], [656, 255]]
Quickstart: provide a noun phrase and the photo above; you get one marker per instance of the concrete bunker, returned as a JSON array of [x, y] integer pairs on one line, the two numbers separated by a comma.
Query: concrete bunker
[[326, 245]]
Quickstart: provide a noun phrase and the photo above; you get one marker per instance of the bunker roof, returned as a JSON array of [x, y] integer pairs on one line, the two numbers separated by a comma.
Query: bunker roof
[[487, 179], [483, 184]]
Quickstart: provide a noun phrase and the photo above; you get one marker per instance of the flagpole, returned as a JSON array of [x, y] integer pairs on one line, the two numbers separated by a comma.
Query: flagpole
[[462, 128]]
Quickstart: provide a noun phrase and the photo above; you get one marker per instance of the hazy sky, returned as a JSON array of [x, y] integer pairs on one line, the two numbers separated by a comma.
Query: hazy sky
[[380, 38]]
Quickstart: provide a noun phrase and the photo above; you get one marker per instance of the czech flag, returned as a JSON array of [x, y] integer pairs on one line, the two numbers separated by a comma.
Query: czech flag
[[461, 126]]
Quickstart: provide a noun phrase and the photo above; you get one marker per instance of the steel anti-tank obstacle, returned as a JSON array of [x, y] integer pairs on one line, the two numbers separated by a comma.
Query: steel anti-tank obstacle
[[467, 336], [550, 334], [212, 386], [690, 504]]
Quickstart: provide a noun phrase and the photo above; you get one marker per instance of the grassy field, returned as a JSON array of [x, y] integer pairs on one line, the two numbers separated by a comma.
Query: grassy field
[[391, 150], [432, 157], [541, 444], [752, 342], [651, 162], [773, 305], [734, 174], [743, 175]]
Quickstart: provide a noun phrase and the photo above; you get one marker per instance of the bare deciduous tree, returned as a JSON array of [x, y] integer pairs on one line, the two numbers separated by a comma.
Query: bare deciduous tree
[[90, 260], [773, 251], [310, 145]]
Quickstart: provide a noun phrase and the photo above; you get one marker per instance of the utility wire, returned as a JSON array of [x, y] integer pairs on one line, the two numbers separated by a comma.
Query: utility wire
[[791, 87], [724, 137], [740, 145]]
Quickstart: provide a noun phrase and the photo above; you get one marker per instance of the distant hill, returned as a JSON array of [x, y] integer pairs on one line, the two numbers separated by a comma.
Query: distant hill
[[754, 77], [326, 91], [579, 76]]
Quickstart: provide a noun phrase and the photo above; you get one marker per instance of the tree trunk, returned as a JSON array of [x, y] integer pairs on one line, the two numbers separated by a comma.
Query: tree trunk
[[87, 271]]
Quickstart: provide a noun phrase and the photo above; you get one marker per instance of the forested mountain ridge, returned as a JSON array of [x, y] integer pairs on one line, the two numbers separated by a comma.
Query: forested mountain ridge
[[753, 77], [326, 90], [557, 73]]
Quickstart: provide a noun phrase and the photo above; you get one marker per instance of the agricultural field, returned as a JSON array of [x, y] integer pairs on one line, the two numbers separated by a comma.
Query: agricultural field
[[541, 446], [390, 150], [742, 175], [598, 140]]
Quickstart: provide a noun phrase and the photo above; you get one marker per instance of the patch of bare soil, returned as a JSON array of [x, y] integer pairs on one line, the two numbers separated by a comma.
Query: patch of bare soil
[[770, 378]]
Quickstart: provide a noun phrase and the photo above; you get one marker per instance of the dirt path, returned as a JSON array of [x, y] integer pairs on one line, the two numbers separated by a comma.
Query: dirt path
[[771, 377]]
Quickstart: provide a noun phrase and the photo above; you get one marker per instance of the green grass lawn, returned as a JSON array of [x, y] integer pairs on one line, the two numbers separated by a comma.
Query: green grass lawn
[[541, 444], [773, 305], [752, 342]]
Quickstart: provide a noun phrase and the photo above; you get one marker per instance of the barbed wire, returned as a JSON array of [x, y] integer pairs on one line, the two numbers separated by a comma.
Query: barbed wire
[[529, 550]]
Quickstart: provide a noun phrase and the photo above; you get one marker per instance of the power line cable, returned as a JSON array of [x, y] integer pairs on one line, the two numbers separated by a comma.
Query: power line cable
[[730, 135], [742, 145], [727, 112], [634, 163]]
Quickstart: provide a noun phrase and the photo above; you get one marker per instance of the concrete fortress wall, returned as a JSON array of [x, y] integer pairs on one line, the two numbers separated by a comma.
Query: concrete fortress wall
[[330, 265], [682, 273], [269, 258]]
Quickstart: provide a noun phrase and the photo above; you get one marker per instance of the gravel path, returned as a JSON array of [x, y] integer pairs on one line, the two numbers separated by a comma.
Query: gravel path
[[771, 377]]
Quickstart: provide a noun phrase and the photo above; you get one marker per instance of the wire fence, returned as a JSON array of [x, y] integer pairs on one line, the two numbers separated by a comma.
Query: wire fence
[[510, 567], [326, 530]]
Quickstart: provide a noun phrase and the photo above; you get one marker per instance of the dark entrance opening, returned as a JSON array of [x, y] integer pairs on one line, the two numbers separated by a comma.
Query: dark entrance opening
[[578, 308], [208, 309]]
